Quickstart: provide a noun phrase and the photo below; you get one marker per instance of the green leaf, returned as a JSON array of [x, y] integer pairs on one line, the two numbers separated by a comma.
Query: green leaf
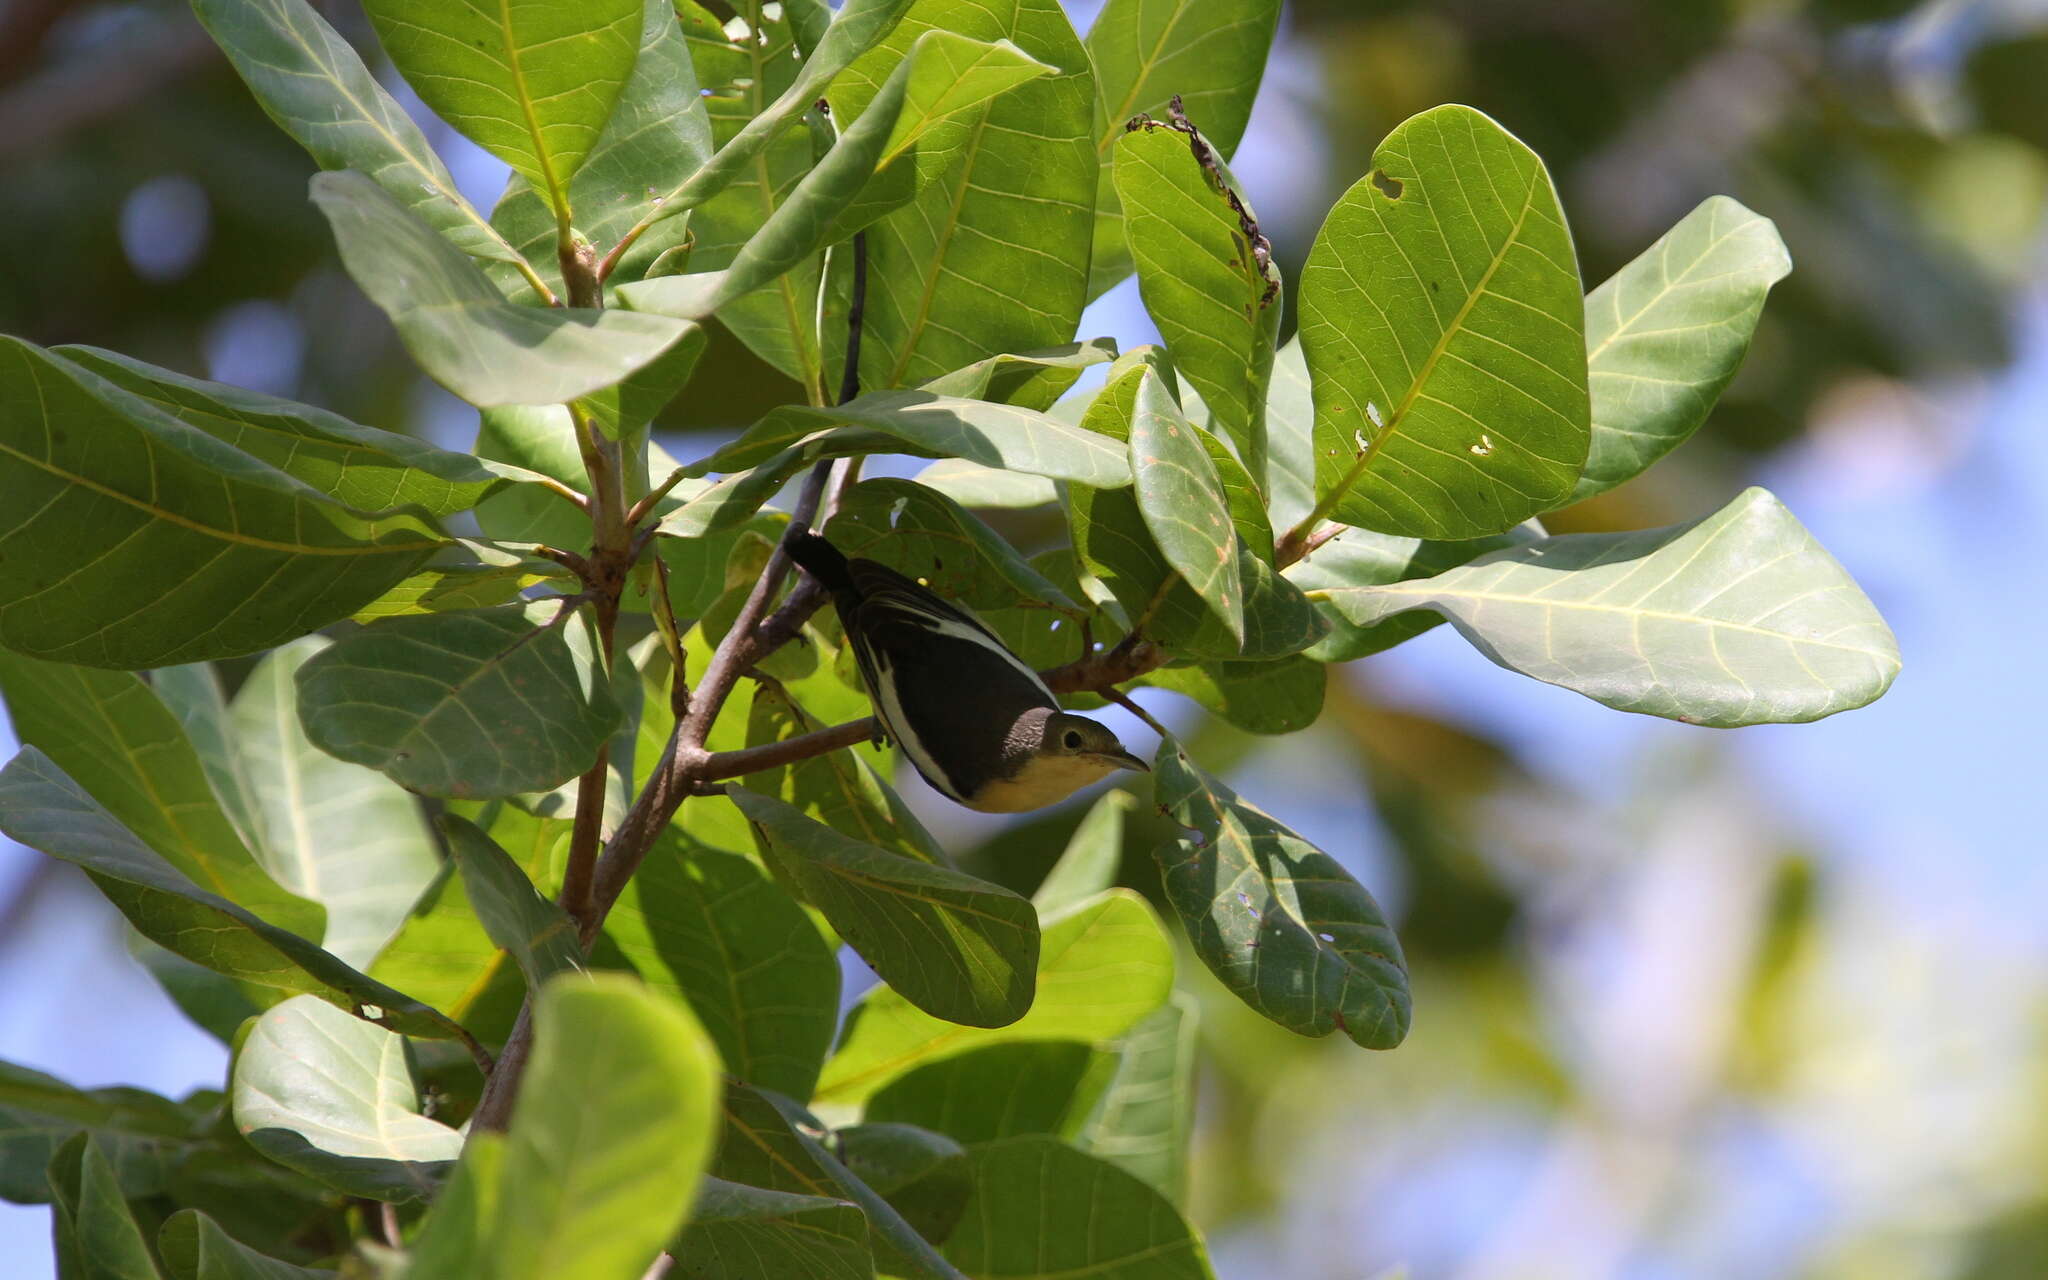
[[1666, 333], [470, 705], [1446, 335], [1032, 379], [768, 1143], [614, 1126], [311, 82], [453, 588], [1102, 966], [540, 936], [713, 928], [342, 835], [195, 1248], [143, 1137], [107, 730], [368, 469], [97, 1235], [532, 84], [946, 942], [944, 75], [994, 435], [1738, 618], [1359, 558], [972, 485], [1216, 305], [987, 258], [999, 1090], [657, 136], [333, 1097], [1290, 438], [1091, 859], [923, 1175], [1144, 52], [1282, 696], [44, 809], [1279, 921], [454, 1236], [738, 1232], [455, 324], [192, 694], [1145, 1119], [922, 533], [1042, 1210], [134, 540], [1181, 502]]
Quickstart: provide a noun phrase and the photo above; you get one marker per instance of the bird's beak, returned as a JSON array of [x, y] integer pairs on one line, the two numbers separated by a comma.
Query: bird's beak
[[1125, 760]]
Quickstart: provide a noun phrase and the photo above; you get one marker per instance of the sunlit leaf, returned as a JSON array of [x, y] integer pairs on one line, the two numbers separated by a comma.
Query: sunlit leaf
[[1443, 325], [1090, 861], [1146, 1117], [921, 533], [1181, 501], [1000, 1090], [1359, 558], [538, 934], [1282, 696], [1738, 618]]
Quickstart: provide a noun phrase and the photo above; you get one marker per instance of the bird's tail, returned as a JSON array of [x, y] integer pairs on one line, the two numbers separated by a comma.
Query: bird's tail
[[819, 558]]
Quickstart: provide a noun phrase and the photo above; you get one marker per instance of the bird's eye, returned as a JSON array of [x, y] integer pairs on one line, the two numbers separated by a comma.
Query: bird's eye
[[1073, 740]]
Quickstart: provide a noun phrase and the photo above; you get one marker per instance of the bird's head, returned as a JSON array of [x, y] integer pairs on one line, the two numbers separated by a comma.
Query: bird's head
[[1053, 754]]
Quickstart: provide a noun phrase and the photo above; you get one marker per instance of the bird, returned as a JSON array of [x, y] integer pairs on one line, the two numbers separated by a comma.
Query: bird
[[977, 722]]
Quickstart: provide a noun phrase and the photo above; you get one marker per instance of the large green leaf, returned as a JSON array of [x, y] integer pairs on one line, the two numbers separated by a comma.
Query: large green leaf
[[1146, 1117], [738, 1232], [713, 928], [1738, 618], [1216, 302], [455, 324], [454, 1236], [1358, 558], [1211, 53], [1181, 501], [960, 947], [1033, 379], [1666, 332], [657, 136], [96, 1233], [539, 935], [1000, 1090], [312, 83], [532, 84], [110, 733], [194, 1247], [132, 540], [1102, 966], [368, 469], [345, 836], [1042, 1210], [44, 809], [989, 257], [1281, 696], [470, 705], [1279, 921], [143, 1137], [614, 1125], [333, 1097], [995, 435], [1442, 320], [193, 694]]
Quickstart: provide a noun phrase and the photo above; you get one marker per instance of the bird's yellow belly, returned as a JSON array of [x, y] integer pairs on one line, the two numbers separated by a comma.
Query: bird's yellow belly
[[1045, 780]]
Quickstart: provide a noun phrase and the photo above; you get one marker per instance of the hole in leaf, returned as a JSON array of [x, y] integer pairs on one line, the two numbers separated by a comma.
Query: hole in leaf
[[1389, 186]]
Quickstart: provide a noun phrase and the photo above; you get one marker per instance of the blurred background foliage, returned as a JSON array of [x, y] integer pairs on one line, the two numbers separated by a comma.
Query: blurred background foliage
[[1757, 1004]]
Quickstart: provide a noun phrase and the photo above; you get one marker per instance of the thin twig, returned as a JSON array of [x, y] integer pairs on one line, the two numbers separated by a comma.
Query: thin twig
[[646, 504]]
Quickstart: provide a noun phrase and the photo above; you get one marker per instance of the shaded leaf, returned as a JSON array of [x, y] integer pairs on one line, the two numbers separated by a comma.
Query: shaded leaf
[[1041, 1210], [455, 324], [333, 1097], [97, 1236], [1277, 920], [538, 934], [925, 535], [1089, 863], [1666, 333], [1445, 331], [111, 734], [713, 928], [469, 705], [532, 84], [1210, 52], [738, 1232], [173, 530], [192, 693], [1738, 618], [44, 809], [1217, 306], [947, 942], [1000, 1090], [452, 589], [1146, 1117], [141, 1136], [1102, 966], [343, 835], [195, 1248], [614, 1125], [312, 83], [923, 1175], [1282, 696]]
